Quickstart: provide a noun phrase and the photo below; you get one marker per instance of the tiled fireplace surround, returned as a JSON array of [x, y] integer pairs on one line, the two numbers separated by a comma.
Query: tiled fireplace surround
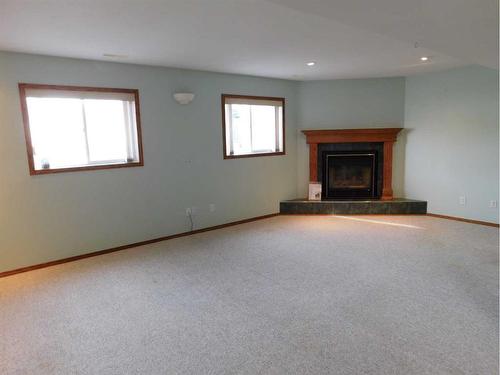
[[387, 136]]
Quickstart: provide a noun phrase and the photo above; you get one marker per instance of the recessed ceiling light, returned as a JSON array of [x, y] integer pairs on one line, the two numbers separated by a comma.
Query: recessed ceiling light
[[424, 58], [311, 63]]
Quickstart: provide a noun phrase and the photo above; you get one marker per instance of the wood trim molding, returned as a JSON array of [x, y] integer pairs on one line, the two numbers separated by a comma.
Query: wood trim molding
[[27, 133], [313, 160], [184, 234], [132, 245], [387, 193], [223, 112], [487, 223], [351, 135], [387, 136]]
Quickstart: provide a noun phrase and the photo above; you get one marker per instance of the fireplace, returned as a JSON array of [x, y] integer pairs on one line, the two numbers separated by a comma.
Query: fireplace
[[349, 175], [382, 141], [355, 165]]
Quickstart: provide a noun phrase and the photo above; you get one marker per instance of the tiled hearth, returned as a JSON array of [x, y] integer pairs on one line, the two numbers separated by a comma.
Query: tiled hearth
[[355, 207]]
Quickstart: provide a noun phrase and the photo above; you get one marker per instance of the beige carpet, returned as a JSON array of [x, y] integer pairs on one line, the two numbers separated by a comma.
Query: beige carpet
[[286, 295]]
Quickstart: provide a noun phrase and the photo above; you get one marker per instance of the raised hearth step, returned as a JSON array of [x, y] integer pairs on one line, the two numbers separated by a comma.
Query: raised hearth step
[[397, 206]]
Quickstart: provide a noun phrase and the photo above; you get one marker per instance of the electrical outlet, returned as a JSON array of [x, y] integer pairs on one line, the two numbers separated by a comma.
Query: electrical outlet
[[462, 200], [493, 204], [189, 211], [211, 207]]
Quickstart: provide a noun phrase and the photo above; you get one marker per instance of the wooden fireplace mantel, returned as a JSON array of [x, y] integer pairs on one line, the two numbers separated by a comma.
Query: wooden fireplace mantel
[[387, 136]]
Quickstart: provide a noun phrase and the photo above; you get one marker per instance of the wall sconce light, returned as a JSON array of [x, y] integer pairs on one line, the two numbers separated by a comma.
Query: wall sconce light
[[183, 97]]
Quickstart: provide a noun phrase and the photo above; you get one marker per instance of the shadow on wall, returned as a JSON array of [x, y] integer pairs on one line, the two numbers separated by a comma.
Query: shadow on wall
[[398, 164]]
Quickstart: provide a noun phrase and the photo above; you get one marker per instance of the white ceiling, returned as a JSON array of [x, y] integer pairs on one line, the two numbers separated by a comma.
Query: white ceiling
[[271, 38]]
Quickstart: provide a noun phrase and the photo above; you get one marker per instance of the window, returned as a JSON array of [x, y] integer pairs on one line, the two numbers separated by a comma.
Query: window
[[80, 128], [252, 126]]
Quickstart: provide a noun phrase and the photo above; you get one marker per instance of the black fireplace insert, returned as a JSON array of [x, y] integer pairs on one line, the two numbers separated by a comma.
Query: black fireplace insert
[[349, 175]]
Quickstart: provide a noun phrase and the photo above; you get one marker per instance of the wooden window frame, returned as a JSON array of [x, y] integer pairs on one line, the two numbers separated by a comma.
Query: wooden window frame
[[223, 111], [27, 133]]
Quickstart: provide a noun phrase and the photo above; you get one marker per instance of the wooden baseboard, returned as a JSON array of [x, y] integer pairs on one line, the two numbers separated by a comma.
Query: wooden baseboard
[[487, 223], [136, 244], [183, 234]]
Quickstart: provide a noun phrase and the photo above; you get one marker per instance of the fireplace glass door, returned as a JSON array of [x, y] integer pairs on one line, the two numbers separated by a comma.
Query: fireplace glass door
[[349, 175]]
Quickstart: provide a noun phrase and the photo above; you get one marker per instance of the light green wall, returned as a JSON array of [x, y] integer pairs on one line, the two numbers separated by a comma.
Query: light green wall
[[49, 217], [452, 141], [351, 103]]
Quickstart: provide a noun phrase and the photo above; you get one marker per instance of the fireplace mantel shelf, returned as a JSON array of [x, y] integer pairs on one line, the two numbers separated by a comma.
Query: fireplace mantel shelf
[[387, 136], [351, 135]]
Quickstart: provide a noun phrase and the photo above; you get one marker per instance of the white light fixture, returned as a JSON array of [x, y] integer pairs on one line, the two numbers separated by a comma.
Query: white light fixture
[[311, 63], [183, 97], [114, 56], [424, 58]]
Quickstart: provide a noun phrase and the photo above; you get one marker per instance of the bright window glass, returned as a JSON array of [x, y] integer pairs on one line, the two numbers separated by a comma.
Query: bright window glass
[[253, 126], [71, 129]]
